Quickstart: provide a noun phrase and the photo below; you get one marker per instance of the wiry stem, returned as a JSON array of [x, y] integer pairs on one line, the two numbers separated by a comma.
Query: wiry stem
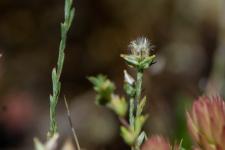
[[71, 125], [131, 112], [134, 104], [56, 73], [124, 122], [138, 89]]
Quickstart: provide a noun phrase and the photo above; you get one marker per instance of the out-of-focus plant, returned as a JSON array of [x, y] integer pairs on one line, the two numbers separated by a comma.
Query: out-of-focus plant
[[56, 72], [159, 143], [206, 123], [181, 132], [52, 142], [139, 59]]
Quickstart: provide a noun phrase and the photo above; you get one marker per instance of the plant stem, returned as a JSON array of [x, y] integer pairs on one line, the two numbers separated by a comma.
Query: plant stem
[[71, 125], [124, 122], [135, 147], [134, 104], [57, 71], [131, 112], [138, 89]]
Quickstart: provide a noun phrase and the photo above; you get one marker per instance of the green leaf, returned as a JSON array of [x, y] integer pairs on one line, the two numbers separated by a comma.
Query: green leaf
[[180, 146], [128, 136], [63, 31], [67, 8], [38, 145], [51, 98], [128, 78], [141, 106], [54, 81], [131, 60], [146, 62], [118, 105], [138, 123], [72, 12], [141, 138], [129, 89], [104, 88]]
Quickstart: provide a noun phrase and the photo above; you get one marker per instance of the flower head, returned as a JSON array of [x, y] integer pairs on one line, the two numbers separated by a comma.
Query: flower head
[[206, 123], [158, 143], [140, 47], [140, 56]]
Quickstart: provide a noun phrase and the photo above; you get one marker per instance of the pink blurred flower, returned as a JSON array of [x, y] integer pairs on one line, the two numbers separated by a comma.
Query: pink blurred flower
[[206, 123], [157, 143], [18, 110]]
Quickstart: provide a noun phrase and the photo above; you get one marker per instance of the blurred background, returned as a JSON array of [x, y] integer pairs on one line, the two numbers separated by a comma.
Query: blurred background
[[189, 39]]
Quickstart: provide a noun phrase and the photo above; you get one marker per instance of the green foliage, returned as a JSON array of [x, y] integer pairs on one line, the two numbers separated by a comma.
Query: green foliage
[[38, 145], [129, 89], [139, 62], [141, 106], [128, 135], [133, 135], [138, 123], [106, 97], [56, 72], [118, 105], [183, 102], [104, 88], [129, 84], [180, 147], [141, 138]]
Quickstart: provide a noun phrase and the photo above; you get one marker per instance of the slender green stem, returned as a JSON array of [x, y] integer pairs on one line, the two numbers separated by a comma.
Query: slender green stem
[[57, 71], [135, 147], [138, 89], [134, 104], [131, 112]]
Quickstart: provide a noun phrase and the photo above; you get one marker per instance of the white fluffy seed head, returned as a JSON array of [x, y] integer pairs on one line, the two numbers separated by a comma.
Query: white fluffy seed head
[[140, 47]]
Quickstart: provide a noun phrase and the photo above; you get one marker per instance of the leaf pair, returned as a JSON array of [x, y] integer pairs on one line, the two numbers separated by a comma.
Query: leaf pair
[[104, 88], [132, 133], [138, 62]]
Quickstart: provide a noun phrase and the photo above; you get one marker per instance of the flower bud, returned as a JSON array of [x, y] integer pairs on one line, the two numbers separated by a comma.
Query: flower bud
[[140, 56]]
